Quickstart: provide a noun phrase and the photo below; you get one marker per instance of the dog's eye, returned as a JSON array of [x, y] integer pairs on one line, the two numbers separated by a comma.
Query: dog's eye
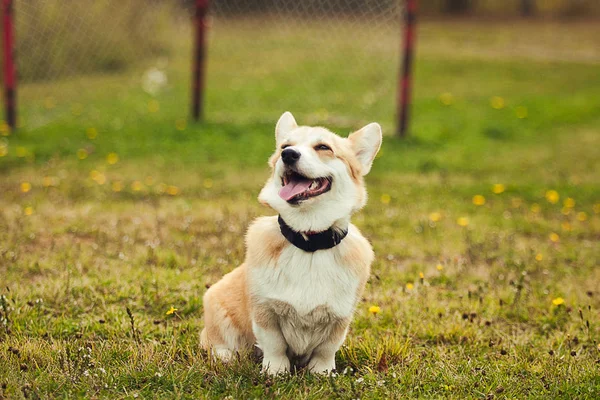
[[322, 147]]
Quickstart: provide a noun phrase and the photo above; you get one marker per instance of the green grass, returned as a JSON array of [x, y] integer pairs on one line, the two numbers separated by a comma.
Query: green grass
[[152, 230]]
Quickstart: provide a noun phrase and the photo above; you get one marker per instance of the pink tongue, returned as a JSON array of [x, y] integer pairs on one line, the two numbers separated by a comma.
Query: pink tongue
[[293, 188]]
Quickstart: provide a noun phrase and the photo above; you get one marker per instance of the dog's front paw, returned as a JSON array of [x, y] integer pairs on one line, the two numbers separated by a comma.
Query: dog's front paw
[[321, 365], [276, 365]]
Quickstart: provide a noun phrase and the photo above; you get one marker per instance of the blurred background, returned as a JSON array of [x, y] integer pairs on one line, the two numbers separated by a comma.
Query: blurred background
[[76, 53], [118, 210]]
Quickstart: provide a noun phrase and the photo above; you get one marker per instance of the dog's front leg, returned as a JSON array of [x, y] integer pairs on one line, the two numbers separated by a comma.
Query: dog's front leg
[[322, 360], [274, 346], [270, 340]]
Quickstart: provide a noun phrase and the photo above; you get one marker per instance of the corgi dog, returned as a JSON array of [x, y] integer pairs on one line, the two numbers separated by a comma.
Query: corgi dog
[[305, 269]]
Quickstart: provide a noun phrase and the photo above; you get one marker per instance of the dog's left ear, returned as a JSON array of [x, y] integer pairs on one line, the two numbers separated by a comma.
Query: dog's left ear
[[285, 125], [366, 143]]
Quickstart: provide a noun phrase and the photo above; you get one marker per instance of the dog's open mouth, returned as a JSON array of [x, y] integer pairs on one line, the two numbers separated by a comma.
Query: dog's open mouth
[[297, 187]]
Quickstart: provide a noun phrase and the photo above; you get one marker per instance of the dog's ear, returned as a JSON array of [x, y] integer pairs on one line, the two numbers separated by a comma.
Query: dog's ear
[[366, 143], [285, 125]]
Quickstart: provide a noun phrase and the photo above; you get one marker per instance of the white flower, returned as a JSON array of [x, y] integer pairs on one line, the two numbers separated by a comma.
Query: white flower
[[154, 80]]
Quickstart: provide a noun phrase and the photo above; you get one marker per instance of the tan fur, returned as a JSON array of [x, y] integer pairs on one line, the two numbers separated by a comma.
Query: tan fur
[[264, 241], [227, 300]]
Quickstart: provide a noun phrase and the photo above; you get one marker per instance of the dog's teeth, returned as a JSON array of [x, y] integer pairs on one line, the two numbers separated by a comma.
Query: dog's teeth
[[313, 185]]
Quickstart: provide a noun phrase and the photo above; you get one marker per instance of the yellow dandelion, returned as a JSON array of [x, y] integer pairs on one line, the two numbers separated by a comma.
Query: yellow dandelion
[[446, 98], [172, 190], [516, 202], [25, 187], [497, 103], [554, 237], [597, 208], [539, 257], [117, 186], [76, 109], [3, 149], [4, 129], [421, 275], [498, 188], [558, 301], [153, 106], [82, 154], [28, 211], [566, 226], [112, 158], [137, 186], [49, 103], [374, 310], [171, 310], [409, 286], [582, 216], [535, 208], [385, 198], [180, 124], [435, 216], [569, 202], [439, 267], [552, 196], [521, 112], [462, 221], [565, 210], [91, 133], [478, 200], [207, 183], [21, 151]]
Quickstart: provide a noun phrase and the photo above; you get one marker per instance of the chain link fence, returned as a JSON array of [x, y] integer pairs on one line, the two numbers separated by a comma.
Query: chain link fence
[[70, 53]]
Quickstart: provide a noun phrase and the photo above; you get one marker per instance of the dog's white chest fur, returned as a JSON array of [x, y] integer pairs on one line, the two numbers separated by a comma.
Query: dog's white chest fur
[[309, 292], [306, 281]]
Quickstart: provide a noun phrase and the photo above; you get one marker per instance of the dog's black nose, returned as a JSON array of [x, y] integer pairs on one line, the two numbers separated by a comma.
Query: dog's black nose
[[290, 156]]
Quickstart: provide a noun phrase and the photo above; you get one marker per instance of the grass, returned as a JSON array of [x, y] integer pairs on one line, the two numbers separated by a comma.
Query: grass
[[498, 300]]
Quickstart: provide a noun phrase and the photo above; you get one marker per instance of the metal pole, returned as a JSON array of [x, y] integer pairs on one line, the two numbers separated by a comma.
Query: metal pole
[[10, 76], [199, 59], [404, 89]]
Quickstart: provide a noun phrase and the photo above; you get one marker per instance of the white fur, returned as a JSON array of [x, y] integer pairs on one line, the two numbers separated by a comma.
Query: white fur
[[307, 280]]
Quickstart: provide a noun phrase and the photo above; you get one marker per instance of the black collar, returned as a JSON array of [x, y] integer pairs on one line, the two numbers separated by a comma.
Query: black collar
[[316, 241]]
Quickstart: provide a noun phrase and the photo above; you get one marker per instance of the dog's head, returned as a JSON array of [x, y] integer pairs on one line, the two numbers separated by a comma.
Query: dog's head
[[317, 179]]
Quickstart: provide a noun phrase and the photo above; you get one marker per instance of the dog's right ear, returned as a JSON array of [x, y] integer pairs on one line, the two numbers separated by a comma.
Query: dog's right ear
[[285, 125], [366, 143]]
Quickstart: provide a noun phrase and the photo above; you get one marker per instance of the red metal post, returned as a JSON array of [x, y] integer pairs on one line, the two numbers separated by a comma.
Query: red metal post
[[10, 75], [199, 57], [405, 78]]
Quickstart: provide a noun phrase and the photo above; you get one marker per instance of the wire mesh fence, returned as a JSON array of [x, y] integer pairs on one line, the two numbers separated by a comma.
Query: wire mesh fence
[[76, 54]]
